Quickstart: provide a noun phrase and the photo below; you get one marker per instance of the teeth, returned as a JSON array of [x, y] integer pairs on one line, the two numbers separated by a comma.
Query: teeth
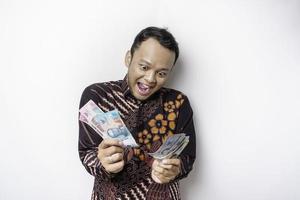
[[144, 86], [144, 89]]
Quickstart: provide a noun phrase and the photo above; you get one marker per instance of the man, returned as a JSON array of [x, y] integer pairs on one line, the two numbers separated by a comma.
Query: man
[[152, 113]]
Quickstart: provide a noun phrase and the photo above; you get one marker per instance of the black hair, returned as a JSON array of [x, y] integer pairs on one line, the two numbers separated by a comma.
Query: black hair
[[162, 35]]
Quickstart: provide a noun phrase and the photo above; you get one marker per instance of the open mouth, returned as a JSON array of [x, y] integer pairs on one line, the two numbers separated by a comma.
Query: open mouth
[[143, 89]]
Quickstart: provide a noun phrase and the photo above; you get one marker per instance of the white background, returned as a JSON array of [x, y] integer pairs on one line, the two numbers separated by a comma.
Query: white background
[[239, 66]]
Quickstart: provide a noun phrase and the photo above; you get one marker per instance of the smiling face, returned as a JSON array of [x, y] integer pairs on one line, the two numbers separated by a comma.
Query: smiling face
[[148, 68]]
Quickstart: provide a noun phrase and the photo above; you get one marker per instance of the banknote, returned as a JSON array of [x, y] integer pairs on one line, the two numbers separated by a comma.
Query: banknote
[[172, 147], [118, 130], [180, 149], [89, 110], [169, 145], [106, 124]]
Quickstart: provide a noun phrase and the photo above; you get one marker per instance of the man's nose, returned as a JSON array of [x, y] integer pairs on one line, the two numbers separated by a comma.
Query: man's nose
[[150, 77]]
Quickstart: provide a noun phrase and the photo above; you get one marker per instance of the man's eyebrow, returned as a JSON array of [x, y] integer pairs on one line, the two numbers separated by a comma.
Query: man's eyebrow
[[149, 63], [145, 61], [165, 69]]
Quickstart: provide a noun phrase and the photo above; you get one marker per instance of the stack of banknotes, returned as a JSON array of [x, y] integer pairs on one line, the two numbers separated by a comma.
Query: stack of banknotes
[[172, 147], [106, 124]]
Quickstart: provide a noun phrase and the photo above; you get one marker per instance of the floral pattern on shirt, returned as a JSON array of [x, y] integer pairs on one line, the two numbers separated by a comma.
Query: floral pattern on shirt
[[169, 106], [145, 138], [159, 127]]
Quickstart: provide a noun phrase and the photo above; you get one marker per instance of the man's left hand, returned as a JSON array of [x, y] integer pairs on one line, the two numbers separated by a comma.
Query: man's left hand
[[165, 170]]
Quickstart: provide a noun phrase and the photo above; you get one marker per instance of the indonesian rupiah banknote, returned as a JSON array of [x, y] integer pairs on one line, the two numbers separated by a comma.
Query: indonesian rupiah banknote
[[106, 124], [172, 147]]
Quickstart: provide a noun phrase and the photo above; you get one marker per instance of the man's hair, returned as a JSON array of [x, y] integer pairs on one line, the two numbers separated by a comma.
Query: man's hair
[[164, 37]]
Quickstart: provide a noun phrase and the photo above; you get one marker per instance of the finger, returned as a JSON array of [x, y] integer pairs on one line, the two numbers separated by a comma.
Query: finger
[[173, 161], [116, 157], [168, 170], [164, 172], [164, 166], [162, 178], [108, 160], [155, 178], [106, 143], [155, 163], [112, 150], [115, 167], [170, 167]]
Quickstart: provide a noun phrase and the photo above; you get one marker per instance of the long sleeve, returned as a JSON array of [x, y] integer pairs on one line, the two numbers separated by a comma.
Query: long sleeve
[[89, 141], [186, 125]]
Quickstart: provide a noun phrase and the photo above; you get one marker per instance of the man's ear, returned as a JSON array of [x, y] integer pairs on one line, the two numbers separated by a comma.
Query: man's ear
[[128, 58]]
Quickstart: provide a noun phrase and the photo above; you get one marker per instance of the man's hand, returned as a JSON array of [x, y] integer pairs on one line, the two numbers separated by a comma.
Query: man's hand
[[110, 154], [165, 170]]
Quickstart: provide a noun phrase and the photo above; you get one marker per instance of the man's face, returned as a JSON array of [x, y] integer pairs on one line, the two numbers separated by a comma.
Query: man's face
[[149, 68]]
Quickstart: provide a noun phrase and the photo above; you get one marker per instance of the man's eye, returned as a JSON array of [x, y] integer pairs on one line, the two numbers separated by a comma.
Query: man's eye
[[162, 74], [143, 67]]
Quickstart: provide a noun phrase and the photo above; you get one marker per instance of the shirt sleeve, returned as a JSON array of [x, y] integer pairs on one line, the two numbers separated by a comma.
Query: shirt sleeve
[[89, 140], [185, 125]]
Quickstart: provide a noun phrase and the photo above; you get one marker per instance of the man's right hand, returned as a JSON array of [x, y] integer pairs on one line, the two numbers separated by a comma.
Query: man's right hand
[[111, 155]]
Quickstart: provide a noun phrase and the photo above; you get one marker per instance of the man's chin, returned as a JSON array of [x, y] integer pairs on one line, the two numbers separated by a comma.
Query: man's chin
[[141, 97]]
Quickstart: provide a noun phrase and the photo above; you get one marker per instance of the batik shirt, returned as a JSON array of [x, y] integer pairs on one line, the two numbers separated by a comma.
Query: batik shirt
[[151, 122]]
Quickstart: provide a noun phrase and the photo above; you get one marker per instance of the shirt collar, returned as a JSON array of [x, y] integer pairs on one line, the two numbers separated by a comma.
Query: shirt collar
[[124, 86]]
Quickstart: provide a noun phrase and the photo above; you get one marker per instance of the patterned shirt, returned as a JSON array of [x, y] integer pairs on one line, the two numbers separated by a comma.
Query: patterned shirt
[[151, 122]]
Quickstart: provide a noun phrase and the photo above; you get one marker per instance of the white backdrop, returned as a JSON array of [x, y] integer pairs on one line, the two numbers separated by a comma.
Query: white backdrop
[[239, 65]]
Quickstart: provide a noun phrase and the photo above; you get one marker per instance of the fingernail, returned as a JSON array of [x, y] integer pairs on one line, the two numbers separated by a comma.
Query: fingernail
[[165, 162]]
